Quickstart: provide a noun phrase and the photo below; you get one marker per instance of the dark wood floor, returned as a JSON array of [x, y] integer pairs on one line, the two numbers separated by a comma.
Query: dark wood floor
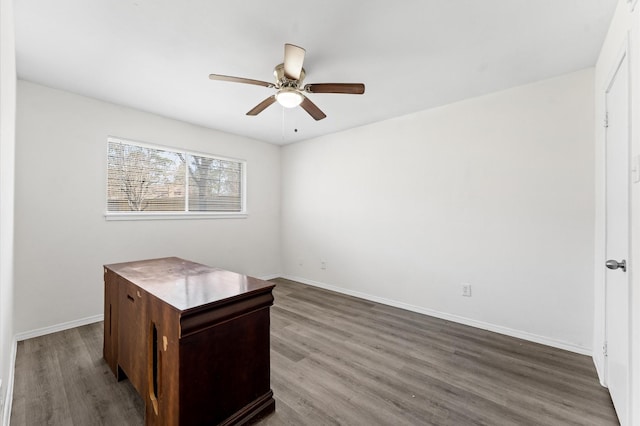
[[340, 360]]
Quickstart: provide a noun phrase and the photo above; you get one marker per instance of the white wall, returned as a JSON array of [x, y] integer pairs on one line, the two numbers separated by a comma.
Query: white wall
[[62, 238], [623, 33], [7, 149], [495, 191]]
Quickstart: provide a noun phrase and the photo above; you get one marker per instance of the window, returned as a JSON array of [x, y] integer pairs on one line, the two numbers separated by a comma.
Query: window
[[149, 181]]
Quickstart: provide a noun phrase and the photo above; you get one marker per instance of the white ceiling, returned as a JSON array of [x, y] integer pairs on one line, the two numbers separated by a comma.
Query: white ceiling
[[156, 55]]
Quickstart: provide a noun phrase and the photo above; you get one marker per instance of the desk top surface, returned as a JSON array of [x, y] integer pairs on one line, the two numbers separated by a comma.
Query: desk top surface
[[187, 285]]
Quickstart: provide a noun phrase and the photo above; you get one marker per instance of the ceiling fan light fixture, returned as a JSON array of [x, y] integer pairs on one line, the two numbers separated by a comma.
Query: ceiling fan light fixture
[[289, 98]]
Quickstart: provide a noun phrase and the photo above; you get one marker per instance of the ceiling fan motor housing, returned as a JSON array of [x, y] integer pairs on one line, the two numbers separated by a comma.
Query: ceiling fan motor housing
[[283, 81]]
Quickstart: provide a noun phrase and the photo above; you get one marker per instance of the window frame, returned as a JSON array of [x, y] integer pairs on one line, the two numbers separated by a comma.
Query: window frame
[[163, 215]]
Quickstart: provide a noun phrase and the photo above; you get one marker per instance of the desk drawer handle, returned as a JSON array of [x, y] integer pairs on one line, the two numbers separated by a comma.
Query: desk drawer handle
[[130, 298]]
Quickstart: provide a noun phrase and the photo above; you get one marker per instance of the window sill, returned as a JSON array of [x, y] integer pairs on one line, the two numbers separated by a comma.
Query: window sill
[[172, 216]]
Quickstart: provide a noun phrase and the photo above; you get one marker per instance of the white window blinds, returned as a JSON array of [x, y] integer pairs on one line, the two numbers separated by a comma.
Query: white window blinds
[[144, 178]]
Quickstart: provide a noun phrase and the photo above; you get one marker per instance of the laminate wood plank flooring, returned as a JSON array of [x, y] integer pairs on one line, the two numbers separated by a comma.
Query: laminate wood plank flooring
[[339, 360]]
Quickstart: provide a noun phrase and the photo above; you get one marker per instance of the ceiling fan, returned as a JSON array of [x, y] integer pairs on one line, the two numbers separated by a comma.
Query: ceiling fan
[[289, 89]]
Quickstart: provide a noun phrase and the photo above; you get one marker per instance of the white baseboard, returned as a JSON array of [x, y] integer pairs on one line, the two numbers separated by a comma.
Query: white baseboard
[[450, 317], [270, 277], [599, 372], [8, 395], [58, 327]]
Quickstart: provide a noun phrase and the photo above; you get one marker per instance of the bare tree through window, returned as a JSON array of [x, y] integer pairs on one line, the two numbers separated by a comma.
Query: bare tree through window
[[143, 179]]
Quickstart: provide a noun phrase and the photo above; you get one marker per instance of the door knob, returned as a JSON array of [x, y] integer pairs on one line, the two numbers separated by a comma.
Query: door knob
[[614, 264]]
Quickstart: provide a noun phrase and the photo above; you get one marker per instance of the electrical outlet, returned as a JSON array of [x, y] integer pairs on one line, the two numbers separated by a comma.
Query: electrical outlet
[[466, 290], [323, 264]]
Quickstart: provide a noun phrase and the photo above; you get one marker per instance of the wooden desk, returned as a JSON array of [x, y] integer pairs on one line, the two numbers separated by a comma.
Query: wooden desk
[[193, 340]]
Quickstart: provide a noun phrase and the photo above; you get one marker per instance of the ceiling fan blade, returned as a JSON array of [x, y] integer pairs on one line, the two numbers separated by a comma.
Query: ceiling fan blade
[[312, 109], [293, 60], [348, 88], [240, 80], [262, 105]]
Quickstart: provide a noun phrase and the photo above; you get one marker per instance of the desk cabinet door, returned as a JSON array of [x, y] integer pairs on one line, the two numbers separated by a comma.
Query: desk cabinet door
[[132, 334]]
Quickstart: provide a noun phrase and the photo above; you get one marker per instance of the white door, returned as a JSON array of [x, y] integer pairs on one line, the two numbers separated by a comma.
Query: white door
[[617, 239]]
